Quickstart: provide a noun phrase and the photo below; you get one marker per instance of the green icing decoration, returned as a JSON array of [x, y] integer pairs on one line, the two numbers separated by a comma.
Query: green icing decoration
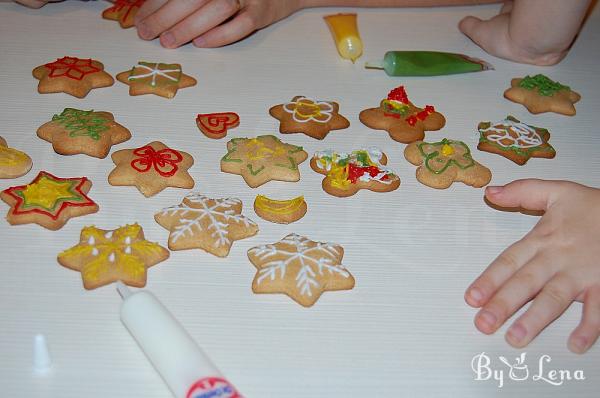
[[82, 123], [436, 156], [255, 172], [545, 85], [403, 110], [291, 165]]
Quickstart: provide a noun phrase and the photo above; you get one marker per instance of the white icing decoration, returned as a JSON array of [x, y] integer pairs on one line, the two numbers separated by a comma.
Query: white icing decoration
[[128, 250], [108, 235], [325, 108], [128, 240], [155, 72], [91, 241], [111, 257], [527, 137], [94, 251]]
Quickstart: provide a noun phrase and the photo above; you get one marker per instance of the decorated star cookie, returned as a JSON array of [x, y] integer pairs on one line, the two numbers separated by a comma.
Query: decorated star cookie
[[151, 168], [404, 121], [311, 117], [540, 94], [71, 75], [216, 125], [123, 11], [280, 211], [515, 140], [203, 223], [262, 159], [107, 256], [49, 201], [300, 268], [347, 173], [13, 163], [76, 131], [155, 78], [444, 162]]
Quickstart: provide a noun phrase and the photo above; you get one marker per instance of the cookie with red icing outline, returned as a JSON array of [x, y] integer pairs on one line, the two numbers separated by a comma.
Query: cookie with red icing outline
[[151, 168], [72, 75], [404, 121], [216, 125], [124, 12]]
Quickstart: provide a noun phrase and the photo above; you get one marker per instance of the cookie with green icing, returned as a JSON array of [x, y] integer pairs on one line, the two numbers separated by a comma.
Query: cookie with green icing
[[541, 94]]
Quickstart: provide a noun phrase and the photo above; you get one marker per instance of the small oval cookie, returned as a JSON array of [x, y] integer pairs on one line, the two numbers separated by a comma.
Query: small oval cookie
[[13, 163], [280, 211]]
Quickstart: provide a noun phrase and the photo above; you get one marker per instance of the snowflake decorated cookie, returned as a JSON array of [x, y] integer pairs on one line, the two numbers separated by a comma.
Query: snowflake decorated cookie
[[404, 121], [300, 268], [514, 140], [444, 162], [13, 163], [152, 168], [71, 75], [106, 256], [155, 78], [262, 159], [123, 11], [49, 201], [347, 173], [77, 131], [216, 125], [540, 94], [200, 222], [309, 116]]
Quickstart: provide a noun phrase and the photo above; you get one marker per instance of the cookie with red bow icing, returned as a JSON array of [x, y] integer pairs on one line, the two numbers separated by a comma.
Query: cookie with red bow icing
[[152, 168], [216, 125]]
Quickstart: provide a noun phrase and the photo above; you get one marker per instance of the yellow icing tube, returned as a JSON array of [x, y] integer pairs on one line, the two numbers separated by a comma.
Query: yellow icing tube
[[344, 29]]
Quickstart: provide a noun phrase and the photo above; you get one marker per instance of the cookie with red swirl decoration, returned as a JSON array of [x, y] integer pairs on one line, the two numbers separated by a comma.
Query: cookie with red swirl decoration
[[216, 125]]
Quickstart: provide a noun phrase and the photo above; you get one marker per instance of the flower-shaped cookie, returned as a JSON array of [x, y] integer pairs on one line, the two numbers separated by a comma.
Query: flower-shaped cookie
[[311, 117], [13, 163], [156, 78], [123, 11], [441, 163], [540, 94]]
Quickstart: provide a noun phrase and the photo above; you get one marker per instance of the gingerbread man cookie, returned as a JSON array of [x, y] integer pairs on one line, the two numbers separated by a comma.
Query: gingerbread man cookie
[[71, 75], [216, 125], [155, 78], [311, 117], [76, 131], [13, 163], [404, 121], [540, 94], [123, 11], [300, 268], [444, 162], [152, 168]]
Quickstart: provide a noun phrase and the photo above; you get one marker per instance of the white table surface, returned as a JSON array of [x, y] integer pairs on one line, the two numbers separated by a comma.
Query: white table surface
[[404, 331]]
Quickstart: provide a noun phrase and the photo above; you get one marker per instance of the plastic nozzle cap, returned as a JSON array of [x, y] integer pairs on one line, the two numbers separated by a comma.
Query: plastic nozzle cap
[[41, 356], [374, 64]]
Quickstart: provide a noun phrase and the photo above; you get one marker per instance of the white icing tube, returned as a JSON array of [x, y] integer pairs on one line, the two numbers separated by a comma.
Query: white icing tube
[[184, 367]]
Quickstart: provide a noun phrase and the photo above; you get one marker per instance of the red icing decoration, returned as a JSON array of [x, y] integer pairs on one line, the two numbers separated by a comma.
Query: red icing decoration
[[130, 4], [398, 94], [164, 161], [71, 67], [412, 120], [355, 172], [218, 123]]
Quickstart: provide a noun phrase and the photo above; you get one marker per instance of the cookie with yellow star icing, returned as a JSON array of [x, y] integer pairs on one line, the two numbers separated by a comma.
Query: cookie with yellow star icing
[[106, 256], [262, 159], [540, 94], [155, 78], [49, 201], [72, 75], [444, 162], [13, 163], [309, 116]]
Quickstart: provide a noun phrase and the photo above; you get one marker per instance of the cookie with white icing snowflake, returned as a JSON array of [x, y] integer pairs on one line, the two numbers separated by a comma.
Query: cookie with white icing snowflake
[[300, 268], [155, 78], [200, 222], [311, 117]]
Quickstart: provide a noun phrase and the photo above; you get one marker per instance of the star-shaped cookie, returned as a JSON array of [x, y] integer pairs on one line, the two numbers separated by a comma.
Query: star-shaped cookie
[[309, 116], [123, 11], [300, 268], [262, 159], [540, 94], [106, 256], [514, 140], [203, 223], [71, 75], [77, 131], [404, 121], [13, 163], [155, 78], [49, 201], [152, 168]]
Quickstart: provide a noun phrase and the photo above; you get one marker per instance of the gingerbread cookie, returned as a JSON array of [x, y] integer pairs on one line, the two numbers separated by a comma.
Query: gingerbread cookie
[[540, 94], [123, 11], [347, 173], [311, 117], [13, 163], [200, 222], [300, 268], [280, 211], [106, 256], [216, 125], [152, 168], [155, 78], [76, 131], [514, 140], [441, 163], [404, 121], [262, 159], [49, 201], [71, 75]]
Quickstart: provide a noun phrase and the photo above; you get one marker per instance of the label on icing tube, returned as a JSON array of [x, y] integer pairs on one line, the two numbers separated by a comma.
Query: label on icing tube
[[212, 387]]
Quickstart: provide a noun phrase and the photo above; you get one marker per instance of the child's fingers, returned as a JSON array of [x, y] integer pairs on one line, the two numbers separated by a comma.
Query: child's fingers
[[530, 194], [149, 7], [549, 304], [33, 3], [167, 16], [586, 334], [238, 28]]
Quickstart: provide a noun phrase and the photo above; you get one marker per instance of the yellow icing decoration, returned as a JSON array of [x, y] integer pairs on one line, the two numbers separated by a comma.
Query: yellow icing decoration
[[447, 150], [339, 176], [278, 206], [314, 109], [12, 157], [47, 193], [258, 150]]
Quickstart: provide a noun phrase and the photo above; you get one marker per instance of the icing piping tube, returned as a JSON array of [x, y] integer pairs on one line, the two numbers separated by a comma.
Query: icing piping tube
[[427, 63], [344, 30]]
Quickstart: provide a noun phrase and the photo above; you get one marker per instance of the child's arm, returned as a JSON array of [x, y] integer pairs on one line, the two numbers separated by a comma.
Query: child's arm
[[557, 262]]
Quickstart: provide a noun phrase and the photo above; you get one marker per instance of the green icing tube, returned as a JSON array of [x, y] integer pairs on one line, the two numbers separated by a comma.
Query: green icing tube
[[427, 63]]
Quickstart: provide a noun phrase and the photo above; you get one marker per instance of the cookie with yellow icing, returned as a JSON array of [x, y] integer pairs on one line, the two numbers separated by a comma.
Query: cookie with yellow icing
[[13, 163], [280, 211]]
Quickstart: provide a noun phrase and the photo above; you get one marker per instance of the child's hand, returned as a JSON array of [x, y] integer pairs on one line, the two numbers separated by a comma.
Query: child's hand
[[209, 23], [557, 262], [33, 3]]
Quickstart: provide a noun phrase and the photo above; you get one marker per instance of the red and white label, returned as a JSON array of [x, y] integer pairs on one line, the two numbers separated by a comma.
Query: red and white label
[[212, 387]]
